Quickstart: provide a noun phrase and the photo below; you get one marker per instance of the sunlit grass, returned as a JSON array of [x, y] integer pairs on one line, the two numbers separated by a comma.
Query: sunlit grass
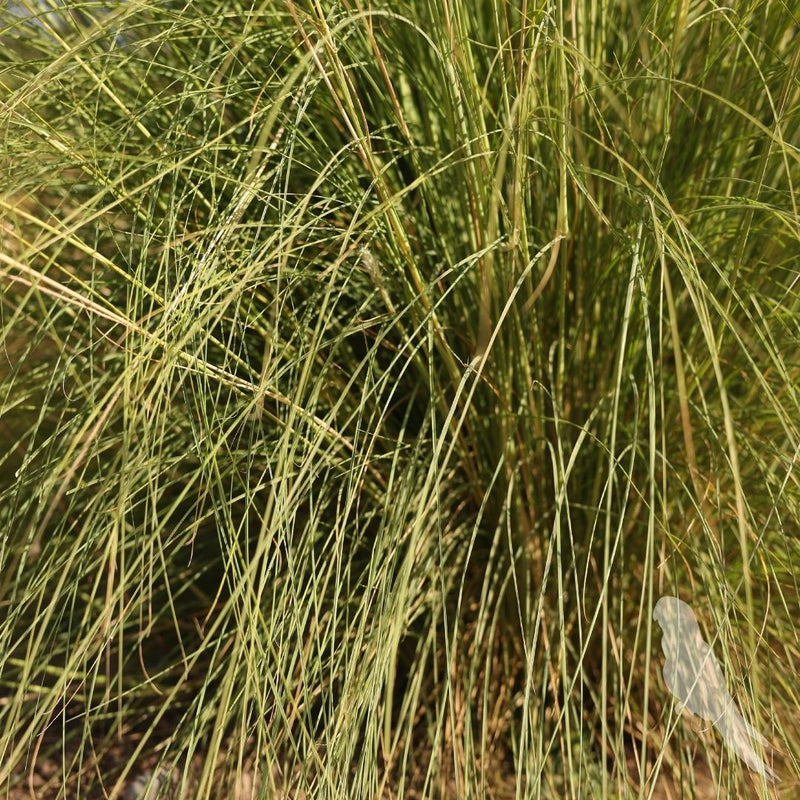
[[367, 372]]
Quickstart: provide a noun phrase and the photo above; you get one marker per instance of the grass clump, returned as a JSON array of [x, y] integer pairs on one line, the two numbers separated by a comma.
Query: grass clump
[[368, 372]]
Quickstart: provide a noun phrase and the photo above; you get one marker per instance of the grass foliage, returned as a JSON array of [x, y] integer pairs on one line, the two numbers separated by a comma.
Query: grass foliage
[[368, 371]]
